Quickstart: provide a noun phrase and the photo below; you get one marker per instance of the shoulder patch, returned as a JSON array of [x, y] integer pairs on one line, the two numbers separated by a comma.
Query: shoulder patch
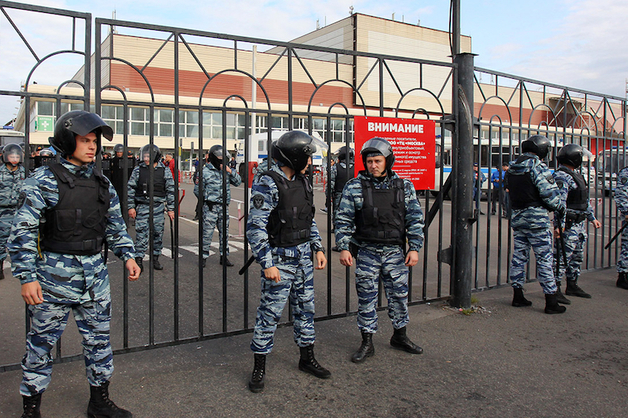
[[623, 180], [550, 179], [258, 201]]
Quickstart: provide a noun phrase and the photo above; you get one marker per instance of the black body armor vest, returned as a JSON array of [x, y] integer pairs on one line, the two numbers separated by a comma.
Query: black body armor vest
[[382, 217], [577, 199], [290, 223], [77, 223], [522, 191], [159, 183], [342, 177]]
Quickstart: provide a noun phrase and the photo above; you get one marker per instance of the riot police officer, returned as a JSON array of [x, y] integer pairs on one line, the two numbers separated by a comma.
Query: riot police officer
[[533, 194], [213, 201], [339, 175], [12, 174], [74, 210], [571, 239], [621, 200], [139, 201], [284, 239], [378, 212]]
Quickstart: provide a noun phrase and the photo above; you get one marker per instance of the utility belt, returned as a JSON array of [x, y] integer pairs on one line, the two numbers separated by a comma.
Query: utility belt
[[574, 217], [85, 247], [211, 204]]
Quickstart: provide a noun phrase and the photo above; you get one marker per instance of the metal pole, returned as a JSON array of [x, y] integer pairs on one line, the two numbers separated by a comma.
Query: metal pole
[[462, 203]]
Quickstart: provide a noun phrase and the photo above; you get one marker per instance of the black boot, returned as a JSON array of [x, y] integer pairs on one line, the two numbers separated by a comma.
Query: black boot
[[366, 348], [224, 259], [100, 406], [552, 306], [156, 264], [140, 263], [622, 280], [308, 364], [560, 298], [574, 290], [400, 341], [256, 384], [518, 299], [1, 269], [31, 406]]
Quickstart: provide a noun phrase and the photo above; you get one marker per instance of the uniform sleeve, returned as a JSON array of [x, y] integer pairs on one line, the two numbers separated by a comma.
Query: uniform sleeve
[[131, 185], [264, 198], [22, 243], [414, 218], [344, 221], [621, 192], [117, 237], [562, 182], [548, 191], [169, 190], [234, 178]]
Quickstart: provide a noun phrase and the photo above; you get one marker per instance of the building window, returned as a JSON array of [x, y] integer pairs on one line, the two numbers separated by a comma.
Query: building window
[[164, 122], [114, 116], [188, 124], [140, 121], [45, 108]]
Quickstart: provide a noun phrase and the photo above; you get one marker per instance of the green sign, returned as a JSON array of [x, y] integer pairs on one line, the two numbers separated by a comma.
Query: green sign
[[45, 123]]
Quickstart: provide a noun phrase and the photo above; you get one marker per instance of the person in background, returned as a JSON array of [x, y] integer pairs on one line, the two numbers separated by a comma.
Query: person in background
[[12, 175]]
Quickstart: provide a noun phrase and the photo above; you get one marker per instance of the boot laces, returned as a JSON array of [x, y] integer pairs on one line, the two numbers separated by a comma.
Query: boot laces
[[104, 395]]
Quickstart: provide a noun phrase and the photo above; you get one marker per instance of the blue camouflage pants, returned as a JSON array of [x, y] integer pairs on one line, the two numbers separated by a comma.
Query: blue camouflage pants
[[212, 218], [541, 242], [48, 322], [6, 220], [142, 228], [622, 262], [574, 239], [296, 285], [371, 264]]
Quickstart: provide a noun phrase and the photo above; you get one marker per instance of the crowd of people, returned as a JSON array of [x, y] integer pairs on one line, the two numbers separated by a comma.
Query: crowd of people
[[55, 222]]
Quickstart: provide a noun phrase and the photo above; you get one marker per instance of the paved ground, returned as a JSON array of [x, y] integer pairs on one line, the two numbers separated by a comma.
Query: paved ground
[[502, 362]]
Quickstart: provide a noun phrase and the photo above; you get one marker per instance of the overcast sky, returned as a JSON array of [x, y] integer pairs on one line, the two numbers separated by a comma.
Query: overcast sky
[[577, 43]]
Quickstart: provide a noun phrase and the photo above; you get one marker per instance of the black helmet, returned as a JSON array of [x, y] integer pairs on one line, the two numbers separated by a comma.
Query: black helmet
[[12, 149], [378, 146], [294, 149], [216, 155], [78, 122], [147, 150], [342, 153], [118, 148], [536, 144], [570, 154]]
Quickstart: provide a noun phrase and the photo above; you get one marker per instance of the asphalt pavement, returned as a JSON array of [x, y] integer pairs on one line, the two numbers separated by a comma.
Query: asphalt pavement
[[499, 361]]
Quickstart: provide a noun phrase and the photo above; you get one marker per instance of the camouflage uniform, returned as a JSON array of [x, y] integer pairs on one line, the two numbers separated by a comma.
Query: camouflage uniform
[[10, 188], [621, 200], [213, 205], [295, 266], [77, 283], [379, 260], [532, 226], [574, 235], [142, 207]]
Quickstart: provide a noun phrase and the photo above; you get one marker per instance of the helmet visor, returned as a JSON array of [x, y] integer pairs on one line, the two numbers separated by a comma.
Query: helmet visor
[[88, 122]]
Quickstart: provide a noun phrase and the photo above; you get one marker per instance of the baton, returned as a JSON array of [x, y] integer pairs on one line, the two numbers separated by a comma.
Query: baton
[[246, 265], [561, 245], [616, 235], [171, 239]]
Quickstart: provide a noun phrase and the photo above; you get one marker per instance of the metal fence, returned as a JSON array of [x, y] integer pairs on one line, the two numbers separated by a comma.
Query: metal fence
[[185, 302]]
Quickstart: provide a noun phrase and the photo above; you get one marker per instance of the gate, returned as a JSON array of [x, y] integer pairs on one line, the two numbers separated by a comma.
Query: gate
[[186, 90]]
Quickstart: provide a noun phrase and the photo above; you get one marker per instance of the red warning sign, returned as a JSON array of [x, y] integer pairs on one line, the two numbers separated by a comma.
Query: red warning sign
[[413, 143]]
